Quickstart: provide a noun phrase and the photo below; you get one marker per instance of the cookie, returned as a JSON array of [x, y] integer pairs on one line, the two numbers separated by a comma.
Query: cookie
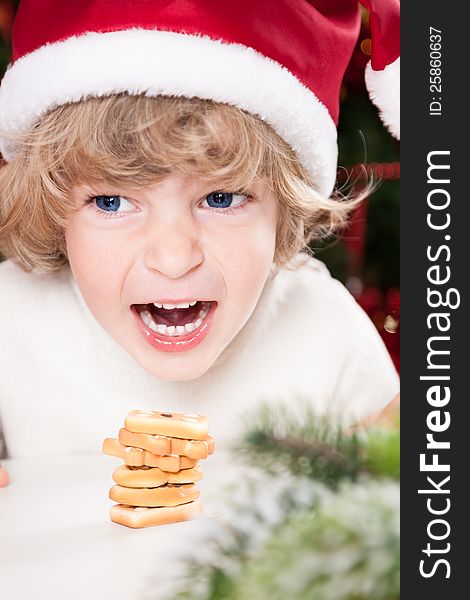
[[186, 475], [179, 425], [137, 517], [166, 495], [171, 462], [136, 477], [137, 457], [157, 444], [146, 477], [193, 448], [131, 456]]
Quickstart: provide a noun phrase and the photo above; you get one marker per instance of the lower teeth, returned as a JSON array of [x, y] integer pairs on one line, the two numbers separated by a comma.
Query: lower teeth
[[173, 330]]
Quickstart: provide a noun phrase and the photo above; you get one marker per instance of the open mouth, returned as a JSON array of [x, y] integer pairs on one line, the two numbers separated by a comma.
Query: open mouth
[[176, 321], [174, 327]]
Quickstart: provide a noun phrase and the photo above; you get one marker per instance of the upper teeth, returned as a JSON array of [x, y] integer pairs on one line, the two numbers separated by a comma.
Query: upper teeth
[[171, 306], [174, 330]]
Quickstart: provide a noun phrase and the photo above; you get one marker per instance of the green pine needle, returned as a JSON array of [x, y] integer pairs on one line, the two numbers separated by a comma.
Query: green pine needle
[[312, 446]]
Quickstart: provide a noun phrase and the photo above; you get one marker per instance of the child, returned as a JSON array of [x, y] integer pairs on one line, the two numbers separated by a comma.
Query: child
[[161, 184]]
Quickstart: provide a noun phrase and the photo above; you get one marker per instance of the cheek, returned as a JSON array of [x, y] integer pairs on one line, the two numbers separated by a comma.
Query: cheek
[[258, 247], [250, 239], [249, 258], [94, 263]]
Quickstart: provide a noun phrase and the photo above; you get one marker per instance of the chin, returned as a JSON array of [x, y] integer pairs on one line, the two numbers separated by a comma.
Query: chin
[[180, 368]]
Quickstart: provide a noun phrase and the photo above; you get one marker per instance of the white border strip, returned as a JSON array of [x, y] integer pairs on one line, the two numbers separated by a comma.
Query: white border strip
[[167, 63]]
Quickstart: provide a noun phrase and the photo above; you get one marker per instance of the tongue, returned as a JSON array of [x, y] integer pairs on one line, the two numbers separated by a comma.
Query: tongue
[[175, 316]]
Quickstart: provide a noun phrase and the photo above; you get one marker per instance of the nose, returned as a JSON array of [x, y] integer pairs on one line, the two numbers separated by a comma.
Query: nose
[[173, 248]]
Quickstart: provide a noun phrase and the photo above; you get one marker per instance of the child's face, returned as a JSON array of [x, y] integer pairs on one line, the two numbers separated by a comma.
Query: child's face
[[174, 243]]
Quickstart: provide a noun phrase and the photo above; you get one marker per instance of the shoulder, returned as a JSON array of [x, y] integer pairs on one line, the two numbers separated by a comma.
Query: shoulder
[[31, 292], [11, 273], [309, 292], [320, 323]]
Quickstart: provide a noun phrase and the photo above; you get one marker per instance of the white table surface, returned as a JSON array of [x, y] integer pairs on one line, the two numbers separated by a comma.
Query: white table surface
[[57, 542]]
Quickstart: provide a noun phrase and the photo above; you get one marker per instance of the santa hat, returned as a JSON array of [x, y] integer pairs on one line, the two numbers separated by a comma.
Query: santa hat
[[282, 61]]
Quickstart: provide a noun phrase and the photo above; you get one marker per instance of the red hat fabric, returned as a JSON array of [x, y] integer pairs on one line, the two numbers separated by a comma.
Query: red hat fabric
[[383, 71], [283, 61]]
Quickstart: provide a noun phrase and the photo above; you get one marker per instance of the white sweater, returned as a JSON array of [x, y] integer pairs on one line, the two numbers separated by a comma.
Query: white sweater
[[65, 384]]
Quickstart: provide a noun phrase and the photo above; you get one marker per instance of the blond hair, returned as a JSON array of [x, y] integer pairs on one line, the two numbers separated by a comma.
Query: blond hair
[[137, 141]]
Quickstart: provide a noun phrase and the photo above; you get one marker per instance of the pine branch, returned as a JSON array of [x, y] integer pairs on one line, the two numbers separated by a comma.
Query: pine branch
[[328, 542], [311, 446]]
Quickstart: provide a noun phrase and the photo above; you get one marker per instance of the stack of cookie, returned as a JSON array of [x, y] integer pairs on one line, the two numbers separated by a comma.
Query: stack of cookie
[[161, 451]]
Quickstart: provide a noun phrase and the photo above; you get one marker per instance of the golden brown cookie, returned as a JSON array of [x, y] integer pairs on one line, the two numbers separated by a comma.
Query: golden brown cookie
[[137, 517], [171, 462], [193, 448], [136, 457], [157, 444], [186, 475], [148, 477], [179, 425], [131, 456], [165, 495]]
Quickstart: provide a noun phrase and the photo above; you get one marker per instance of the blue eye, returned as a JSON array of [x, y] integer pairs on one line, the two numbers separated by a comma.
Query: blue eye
[[112, 203], [224, 200]]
